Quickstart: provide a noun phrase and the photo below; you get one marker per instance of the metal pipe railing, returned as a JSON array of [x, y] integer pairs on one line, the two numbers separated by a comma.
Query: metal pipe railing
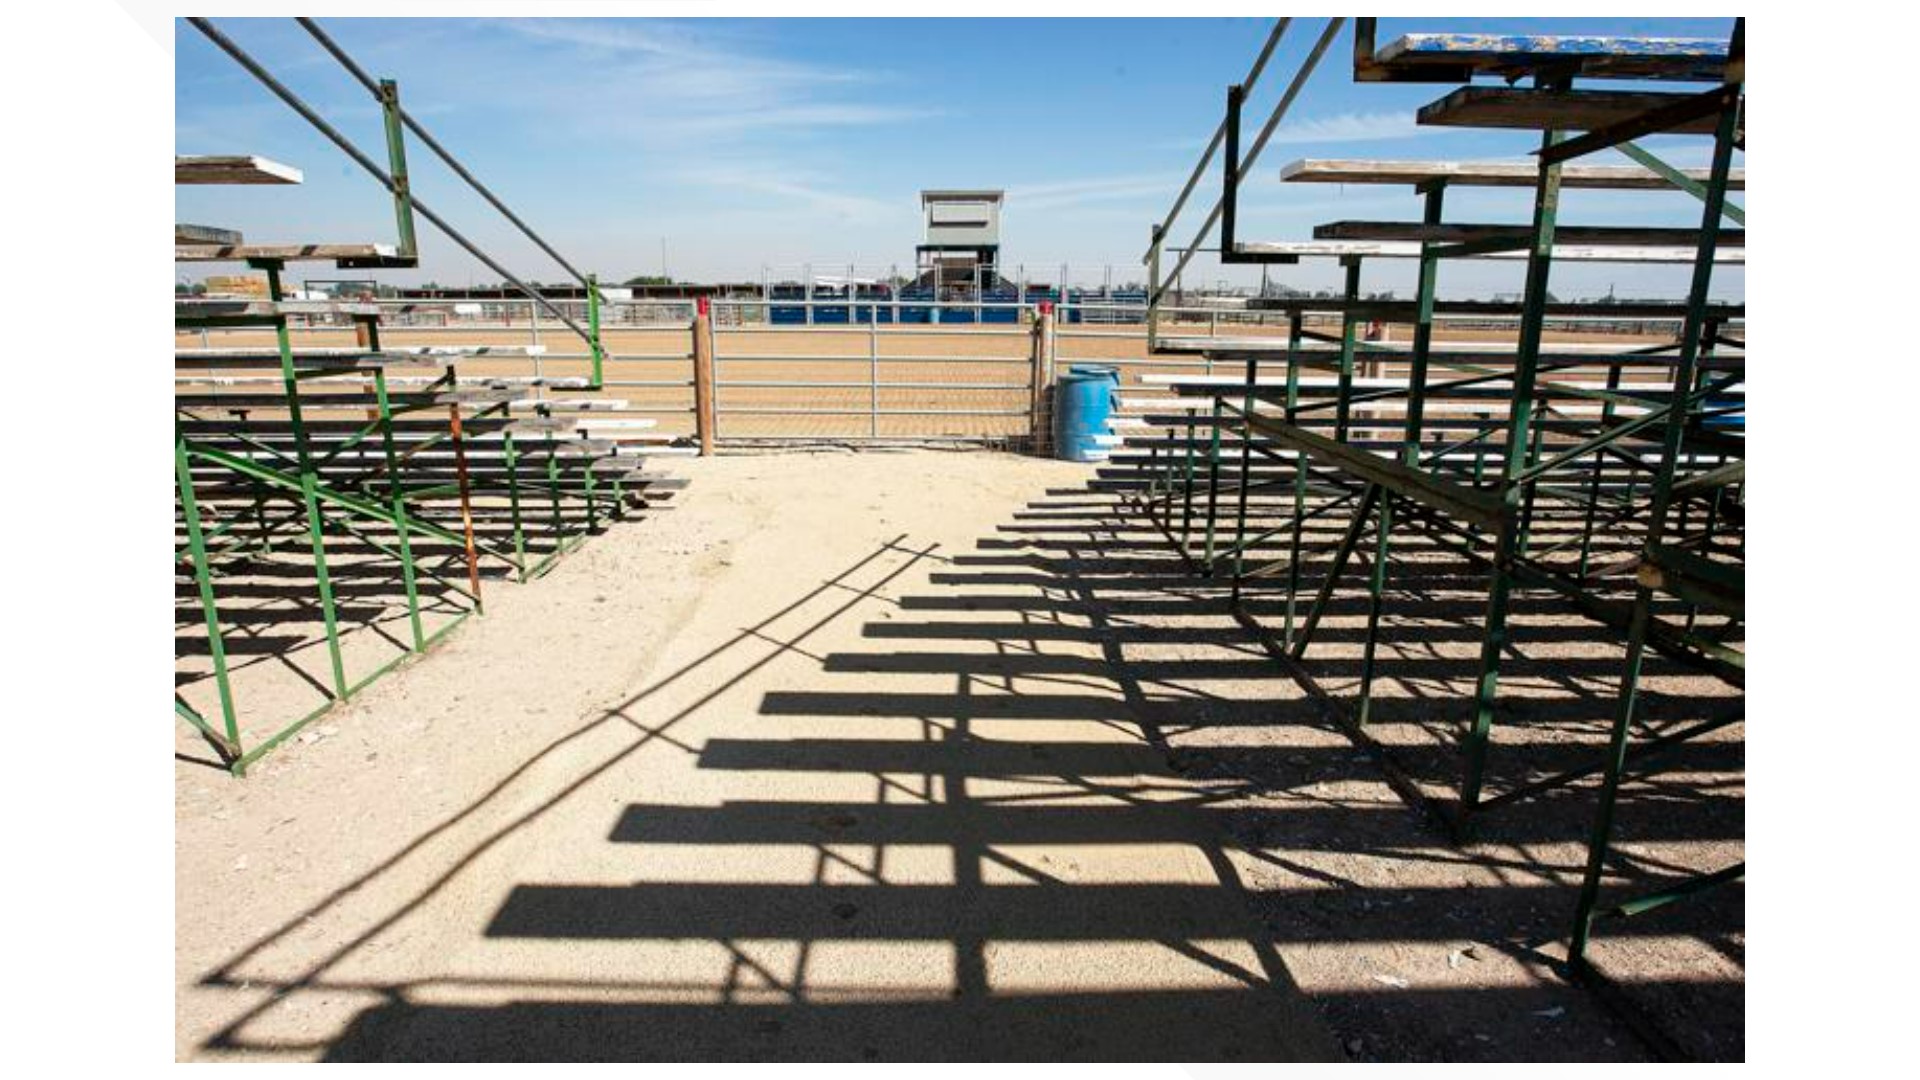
[[373, 87], [1253, 76], [293, 101], [1156, 288]]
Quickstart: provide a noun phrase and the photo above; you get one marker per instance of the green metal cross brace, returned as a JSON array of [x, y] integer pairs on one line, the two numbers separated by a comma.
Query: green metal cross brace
[[1348, 541], [1678, 179]]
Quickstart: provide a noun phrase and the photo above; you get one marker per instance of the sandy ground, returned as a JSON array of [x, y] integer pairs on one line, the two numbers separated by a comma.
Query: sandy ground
[[920, 755]]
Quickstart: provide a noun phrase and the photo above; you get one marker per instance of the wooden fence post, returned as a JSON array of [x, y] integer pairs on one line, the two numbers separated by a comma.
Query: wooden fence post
[[1039, 436], [703, 410]]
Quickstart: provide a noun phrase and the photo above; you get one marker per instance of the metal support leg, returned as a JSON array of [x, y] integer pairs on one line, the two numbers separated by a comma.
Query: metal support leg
[[397, 505], [512, 457], [1691, 335], [466, 502], [1349, 324], [1292, 411], [209, 610], [1526, 361], [1246, 478], [309, 487], [1409, 448], [1213, 486]]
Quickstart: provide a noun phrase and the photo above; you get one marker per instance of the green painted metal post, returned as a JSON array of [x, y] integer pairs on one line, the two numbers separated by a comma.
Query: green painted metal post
[[1186, 485], [1246, 478], [203, 581], [1691, 335], [1546, 205], [1409, 448], [1599, 474], [593, 331], [309, 482], [512, 458], [1376, 589], [1422, 331], [1349, 324], [1709, 338], [1295, 328], [397, 502], [553, 491], [397, 167], [1526, 502], [1213, 485], [593, 500]]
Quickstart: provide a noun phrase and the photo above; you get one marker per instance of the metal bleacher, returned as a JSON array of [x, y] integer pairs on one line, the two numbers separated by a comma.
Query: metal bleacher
[[1608, 476]]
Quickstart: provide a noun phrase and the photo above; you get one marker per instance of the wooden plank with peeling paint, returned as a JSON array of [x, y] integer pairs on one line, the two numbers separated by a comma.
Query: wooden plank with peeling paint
[[281, 252], [195, 235], [1464, 233], [1686, 59], [232, 169], [1516, 174]]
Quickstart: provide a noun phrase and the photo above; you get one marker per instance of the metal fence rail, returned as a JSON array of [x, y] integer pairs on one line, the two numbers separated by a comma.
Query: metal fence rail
[[871, 376]]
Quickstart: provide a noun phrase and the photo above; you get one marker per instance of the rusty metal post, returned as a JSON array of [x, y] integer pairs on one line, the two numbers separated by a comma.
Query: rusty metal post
[[466, 501]]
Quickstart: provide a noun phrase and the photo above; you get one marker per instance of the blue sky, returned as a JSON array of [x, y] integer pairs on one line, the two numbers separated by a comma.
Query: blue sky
[[743, 143]]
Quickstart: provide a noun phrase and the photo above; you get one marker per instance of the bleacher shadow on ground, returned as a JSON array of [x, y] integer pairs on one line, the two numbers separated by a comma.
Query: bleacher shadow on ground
[[1170, 784]]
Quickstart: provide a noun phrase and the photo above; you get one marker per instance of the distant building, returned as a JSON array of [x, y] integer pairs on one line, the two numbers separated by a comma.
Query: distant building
[[960, 249]]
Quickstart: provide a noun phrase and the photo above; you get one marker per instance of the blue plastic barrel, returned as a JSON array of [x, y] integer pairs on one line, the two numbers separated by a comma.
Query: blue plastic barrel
[[1083, 401]]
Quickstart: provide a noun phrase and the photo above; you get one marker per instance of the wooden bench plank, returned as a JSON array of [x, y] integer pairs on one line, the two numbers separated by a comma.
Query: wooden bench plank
[[383, 254], [194, 235], [231, 169], [1464, 233], [1380, 249], [1564, 110], [240, 308], [1487, 174], [1689, 59]]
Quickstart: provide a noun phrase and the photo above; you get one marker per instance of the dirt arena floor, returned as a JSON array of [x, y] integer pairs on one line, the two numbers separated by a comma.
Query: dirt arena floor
[[939, 755]]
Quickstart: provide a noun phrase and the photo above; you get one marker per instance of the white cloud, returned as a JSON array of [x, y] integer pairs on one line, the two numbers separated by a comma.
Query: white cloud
[[685, 83], [808, 192], [1349, 127], [1075, 193]]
